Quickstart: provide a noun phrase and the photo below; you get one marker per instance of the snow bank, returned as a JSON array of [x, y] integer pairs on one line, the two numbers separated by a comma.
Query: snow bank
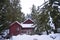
[[55, 36], [36, 37]]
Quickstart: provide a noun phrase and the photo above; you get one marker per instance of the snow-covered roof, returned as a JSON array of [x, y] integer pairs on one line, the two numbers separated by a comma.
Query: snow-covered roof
[[15, 22], [27, 25], [24, 25], [28, 19]]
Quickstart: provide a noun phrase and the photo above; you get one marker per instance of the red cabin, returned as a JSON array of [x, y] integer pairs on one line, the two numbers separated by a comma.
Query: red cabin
[[27, 28], [15, 28], [28, 21], [21, 28]]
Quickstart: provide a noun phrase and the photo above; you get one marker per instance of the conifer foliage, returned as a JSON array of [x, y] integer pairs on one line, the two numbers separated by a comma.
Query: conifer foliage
[[10, 11]]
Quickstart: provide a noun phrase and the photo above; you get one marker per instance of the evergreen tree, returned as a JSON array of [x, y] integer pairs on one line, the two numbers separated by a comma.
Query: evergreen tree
[[3, 6], [15, 9], [33, 12], [41, 19], [10, 11], [55, 14]]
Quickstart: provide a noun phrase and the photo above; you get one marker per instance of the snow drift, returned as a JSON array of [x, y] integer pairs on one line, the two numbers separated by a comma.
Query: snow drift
[[36, 37]]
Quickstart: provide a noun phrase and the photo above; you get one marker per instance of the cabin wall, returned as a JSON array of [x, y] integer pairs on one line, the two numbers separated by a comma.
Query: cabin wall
[[26, 30], [15, 29]]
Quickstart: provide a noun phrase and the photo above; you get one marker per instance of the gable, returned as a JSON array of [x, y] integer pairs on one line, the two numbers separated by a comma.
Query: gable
[[29, 21], [15, 28], [16, 24], [26, 24]]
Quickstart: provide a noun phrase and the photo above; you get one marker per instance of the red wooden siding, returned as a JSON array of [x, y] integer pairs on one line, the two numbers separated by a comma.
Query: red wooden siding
[[28, 22], [15, 29], [27, 30]]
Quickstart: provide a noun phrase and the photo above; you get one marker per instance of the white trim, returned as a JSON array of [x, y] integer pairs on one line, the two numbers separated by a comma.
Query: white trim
[[27, 25], [15, 22], [28, 19], [24, 25]]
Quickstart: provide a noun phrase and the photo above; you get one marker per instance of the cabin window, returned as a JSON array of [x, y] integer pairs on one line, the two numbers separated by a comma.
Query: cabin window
[[29, 32]]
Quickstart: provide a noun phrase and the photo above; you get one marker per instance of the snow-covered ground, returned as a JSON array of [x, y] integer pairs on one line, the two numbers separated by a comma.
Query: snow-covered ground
[[36, 37]]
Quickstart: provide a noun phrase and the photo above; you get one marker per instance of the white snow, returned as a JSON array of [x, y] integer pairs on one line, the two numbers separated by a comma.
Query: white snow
[[36, 37], [24, 25], [6, 32], [15, 22], [27, 25]]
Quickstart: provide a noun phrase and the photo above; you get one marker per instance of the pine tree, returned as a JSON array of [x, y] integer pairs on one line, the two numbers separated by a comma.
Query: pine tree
[[15, 8], [10, 11], [41, 18], [3, 6], [55, 14], [33, 12]]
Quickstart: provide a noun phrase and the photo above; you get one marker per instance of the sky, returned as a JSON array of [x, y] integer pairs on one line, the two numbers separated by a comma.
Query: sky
[[27, 5]]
